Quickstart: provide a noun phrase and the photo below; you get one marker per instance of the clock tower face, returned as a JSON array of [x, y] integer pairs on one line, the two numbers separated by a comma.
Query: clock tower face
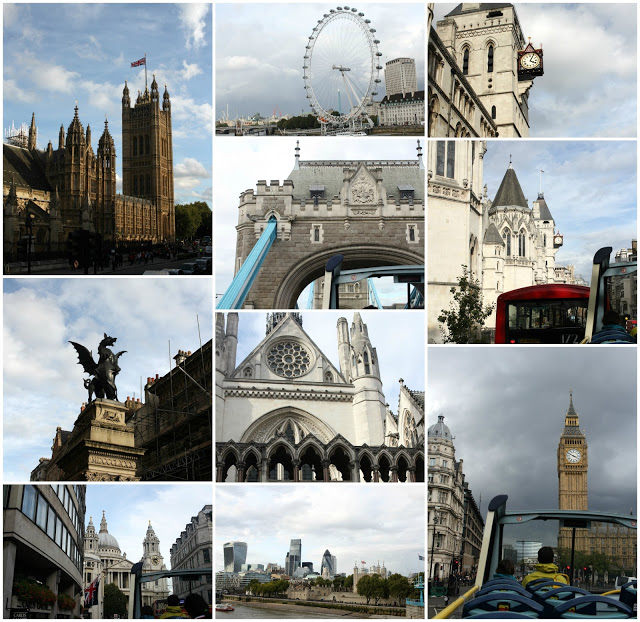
[[572, 463], [573, 456]]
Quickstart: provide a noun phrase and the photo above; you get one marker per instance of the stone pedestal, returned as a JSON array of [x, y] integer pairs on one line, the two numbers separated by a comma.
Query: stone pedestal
[[101, 446]]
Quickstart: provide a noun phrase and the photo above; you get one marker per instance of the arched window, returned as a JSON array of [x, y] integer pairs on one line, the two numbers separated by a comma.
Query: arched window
[[506, 236], [135, 146], [493, 112], [490, 59], [521, 239], [146, 140], [544, 240], [465, 62], [367, 369]]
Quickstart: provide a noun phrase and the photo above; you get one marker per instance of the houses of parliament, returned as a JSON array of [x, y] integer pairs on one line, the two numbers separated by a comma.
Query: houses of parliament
[[616, 542], [72, 187]]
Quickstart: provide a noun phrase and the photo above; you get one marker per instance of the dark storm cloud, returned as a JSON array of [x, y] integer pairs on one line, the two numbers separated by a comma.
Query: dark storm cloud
[[506, 407]]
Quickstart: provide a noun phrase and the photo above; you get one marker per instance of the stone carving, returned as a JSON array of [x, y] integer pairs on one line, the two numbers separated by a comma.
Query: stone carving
[[273, 203], [362, 192], [107, 415], [112, 462]]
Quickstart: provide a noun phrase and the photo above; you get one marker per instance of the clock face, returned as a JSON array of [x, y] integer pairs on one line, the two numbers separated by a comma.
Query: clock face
[[573, 455], [530, 60], [155, 559]]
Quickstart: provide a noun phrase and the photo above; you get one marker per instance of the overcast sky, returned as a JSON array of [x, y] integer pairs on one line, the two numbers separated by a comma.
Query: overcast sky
[[55, 54], [130, 506], [355, 522], [241, 163], [505, 408], [589, 82], [260, 49], [43, 382], [400, 352], [589, 186]]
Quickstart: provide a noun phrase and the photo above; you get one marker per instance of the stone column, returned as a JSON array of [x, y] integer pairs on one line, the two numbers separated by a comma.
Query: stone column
[[412, 474], [264, 471], [376, 473], [354, 467], [325, 471], [219, 468], [296, 470], [394, 473], [52, 581], [8, 566], [240, 472]]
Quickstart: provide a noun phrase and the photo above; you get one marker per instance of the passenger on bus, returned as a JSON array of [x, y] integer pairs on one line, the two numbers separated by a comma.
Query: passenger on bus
[[545, 568], [612, 331], [505, 570]]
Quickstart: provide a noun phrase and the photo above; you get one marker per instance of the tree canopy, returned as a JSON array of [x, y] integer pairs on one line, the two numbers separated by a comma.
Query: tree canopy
[[193, 220], [115, 602]]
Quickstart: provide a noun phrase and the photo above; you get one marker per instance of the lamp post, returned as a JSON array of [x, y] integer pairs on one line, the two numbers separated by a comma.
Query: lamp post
[[433, 541]]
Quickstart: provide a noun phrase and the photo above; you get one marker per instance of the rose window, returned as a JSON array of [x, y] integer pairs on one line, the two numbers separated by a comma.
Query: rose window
[[288, 359]]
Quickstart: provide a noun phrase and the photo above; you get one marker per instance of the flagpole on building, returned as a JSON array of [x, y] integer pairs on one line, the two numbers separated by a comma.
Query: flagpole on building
[[145, 71]]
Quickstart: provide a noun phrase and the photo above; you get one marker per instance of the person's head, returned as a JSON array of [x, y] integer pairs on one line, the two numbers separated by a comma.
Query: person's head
[[147, 611], [195, 605], [173, 601], [505, 566], [610, 317], [545, 555]]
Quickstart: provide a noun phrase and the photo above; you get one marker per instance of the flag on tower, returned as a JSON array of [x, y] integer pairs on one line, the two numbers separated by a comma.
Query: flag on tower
[[421, 557], [142, 61], [91, 593]]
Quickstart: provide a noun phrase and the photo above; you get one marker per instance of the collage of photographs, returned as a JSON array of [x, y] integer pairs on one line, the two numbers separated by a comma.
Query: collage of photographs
[[273, 184]]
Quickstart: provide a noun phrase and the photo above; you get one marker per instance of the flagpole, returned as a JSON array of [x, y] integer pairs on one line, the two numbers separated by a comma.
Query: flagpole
[[145, 71]]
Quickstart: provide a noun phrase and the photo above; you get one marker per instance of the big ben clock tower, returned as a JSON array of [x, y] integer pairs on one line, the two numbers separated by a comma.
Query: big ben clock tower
[[572, 471]]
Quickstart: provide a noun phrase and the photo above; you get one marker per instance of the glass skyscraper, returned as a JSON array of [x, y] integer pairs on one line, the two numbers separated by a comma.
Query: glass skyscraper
[[294, 557], [235, 554]]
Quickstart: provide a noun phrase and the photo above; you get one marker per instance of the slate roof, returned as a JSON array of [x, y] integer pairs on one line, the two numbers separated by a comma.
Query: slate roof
[[25, 167], [328, 173], [418, 396], [509, 193], [492, 235], [545, 214], [398, 97], [484, 6]]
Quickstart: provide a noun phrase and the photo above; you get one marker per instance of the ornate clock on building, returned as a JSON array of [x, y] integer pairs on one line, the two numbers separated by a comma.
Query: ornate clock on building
[[573, 455], [155, 559], [529, 63]]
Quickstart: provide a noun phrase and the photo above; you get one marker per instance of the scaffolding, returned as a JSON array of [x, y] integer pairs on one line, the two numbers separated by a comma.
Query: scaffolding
[[174, 424]]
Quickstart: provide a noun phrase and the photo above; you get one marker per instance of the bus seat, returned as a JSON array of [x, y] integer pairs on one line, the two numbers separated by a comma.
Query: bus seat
[[629, 594], [551, 599], [504, 586], [499, 615], [502, 601], [592, 606], [543, 584]]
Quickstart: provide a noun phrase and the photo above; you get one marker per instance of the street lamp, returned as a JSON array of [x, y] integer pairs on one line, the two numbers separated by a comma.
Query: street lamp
[[433, 540]]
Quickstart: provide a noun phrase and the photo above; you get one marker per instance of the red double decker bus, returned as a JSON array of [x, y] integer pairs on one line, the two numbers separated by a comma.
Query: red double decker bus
[[554, 313]]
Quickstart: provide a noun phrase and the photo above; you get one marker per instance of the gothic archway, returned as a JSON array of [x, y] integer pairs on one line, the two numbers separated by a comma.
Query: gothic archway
[[288, 420], [281, 464]]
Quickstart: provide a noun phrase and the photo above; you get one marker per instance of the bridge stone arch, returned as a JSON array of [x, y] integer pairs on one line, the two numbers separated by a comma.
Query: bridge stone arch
[[370, 211]]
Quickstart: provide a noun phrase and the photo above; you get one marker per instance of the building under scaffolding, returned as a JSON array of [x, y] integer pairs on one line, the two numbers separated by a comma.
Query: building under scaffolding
[[174, 423]]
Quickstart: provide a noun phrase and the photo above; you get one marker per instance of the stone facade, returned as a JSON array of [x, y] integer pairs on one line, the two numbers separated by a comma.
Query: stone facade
[[324, 208], [446, 502], [71, 187], [101, 447], [402, 109], [400, 77], [104, 558], [474, 78], [286, 413], [505, 243], [193, 549]]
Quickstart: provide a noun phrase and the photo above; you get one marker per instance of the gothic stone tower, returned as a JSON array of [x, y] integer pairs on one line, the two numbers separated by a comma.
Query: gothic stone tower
[[487, 42], [572, 475], [147, 154]]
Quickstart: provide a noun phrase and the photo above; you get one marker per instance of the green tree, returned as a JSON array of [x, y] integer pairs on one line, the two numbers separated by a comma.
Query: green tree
[[347, 582], [115, 602], [465, 317], [188, 220], [338, 583], [399, 586], [365, 588], [253, 586]]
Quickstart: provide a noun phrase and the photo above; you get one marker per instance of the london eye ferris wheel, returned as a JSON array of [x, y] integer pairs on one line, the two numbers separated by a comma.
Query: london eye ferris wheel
[[342, 68]]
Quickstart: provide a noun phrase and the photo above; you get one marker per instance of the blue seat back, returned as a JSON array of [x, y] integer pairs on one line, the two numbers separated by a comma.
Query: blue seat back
[[592, 606], [502, 601]]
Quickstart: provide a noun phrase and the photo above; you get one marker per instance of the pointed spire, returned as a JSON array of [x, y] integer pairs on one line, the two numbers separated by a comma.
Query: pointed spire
[[32, 132], [61, 138], [510, 193], [297, 164], [419, 150], [103, 524]]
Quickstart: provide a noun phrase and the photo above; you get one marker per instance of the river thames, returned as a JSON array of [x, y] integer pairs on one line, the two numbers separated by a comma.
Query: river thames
[[278, 612]]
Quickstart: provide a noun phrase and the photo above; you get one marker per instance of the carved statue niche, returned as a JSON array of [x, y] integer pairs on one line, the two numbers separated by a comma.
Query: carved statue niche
[[104, 372]]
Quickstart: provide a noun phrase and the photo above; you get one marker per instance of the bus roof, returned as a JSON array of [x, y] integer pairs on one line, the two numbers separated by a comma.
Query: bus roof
[[550, 290]]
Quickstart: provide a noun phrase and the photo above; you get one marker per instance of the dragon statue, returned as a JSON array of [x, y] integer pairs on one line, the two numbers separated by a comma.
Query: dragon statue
[[104, 372]]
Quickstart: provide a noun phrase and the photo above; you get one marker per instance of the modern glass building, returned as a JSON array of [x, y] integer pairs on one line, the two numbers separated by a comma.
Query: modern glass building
[[235, 555], [294, 557], [328, 562]]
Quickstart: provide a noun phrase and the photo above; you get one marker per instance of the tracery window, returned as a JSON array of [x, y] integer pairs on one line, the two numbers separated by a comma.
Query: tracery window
[[288, 359]]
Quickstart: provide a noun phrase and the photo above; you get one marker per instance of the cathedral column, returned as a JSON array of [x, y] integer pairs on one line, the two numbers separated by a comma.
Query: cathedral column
[[412, 474], [376, 473], [264, 471], [354, 467], [325, 471], [240, 472], [394, 473], [219, 468], [296, 470]]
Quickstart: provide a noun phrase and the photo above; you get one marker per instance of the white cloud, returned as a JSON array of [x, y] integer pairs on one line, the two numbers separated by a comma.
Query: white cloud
[[13, 92], [192, 17]]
